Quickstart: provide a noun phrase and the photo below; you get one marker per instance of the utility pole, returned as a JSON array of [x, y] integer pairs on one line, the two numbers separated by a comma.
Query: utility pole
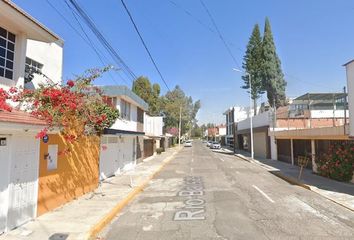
[[179, 126], [251, 119]]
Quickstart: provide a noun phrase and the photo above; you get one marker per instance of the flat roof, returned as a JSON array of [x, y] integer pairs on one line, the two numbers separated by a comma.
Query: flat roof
[[347, 63], [320, 96], [120, 90]]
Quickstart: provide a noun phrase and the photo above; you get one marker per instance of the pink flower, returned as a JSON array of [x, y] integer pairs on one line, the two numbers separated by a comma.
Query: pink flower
[[70, 83], [42, 133]]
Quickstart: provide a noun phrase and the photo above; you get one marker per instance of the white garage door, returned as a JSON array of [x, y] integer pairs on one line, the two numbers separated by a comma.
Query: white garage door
[[260, 145], [4, 180], [23, 188], [109, 157]]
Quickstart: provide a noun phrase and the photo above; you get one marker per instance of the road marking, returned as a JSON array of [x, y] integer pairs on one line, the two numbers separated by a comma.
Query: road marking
[[265, 195], [222, 159]]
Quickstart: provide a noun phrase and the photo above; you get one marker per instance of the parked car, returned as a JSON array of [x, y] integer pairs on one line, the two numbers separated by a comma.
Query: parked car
[[215, 145], [209, 143], [188, 143]]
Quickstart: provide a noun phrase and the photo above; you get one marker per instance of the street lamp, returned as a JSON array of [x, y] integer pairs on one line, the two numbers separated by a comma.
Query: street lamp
[[251, 118]]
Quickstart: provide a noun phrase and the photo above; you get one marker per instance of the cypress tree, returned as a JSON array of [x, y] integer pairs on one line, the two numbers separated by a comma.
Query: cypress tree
[[252, 64], [273, 77]]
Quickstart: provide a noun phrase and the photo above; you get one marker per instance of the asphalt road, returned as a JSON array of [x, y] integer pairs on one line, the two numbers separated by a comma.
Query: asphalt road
[[205, 195]]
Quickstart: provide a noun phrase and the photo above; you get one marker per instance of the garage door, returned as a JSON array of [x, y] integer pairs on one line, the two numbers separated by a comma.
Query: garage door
[[260, 145], [23, 188], [109, 156]]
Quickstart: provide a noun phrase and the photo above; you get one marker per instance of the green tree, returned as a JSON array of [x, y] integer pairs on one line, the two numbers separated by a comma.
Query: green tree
[[149, 93], [273, 77], [252, 64], [175, 101]]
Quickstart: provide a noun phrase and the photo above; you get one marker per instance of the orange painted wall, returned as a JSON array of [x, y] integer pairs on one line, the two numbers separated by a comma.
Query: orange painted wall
[[76, 173]]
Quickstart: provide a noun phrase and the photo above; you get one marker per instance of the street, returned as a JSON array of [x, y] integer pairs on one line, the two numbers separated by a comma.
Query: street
[[205, 195]]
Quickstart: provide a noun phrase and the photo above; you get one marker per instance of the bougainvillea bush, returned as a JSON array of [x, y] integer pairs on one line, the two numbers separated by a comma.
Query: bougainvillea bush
[[338, 162], [76, 108]]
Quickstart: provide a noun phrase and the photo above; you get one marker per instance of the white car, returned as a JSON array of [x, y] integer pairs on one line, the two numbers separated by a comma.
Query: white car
[[215, 145], [188, 143]]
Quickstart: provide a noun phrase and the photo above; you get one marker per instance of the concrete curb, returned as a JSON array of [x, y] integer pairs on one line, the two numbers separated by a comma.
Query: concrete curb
[[290, 180], [97, 228], [294, 181], [242, 157]]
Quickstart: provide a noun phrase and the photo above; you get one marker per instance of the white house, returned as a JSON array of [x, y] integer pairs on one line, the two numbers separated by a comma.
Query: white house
[[261, 140], [349, 66], [123, 143], [153, 128], [23, 41], [234, 115]]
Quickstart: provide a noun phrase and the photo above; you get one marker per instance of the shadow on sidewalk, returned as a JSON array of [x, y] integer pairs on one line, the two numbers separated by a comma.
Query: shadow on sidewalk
[[308, 177]]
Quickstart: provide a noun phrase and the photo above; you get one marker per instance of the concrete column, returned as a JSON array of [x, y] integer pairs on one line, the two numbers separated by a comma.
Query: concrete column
[[313, 152], [273, 148], [292, 151], [20, 59]]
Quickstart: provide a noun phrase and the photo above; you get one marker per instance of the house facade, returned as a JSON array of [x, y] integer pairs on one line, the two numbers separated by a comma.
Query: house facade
[[233, 115], [308, 126], [23, 42], [261, 140], [153, 128], [122, 145]]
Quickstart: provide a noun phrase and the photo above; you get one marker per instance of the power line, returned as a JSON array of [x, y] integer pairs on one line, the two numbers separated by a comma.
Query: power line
[[206, 26], [192, 16], [86, 40], [143, 42], [219, 33], [92, 45], [113, 53]]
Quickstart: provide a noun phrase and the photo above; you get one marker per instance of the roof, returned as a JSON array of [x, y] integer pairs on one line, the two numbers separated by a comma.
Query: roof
[[31, 19], [320, 96], [347, 63], [116, 91], [16, 116]]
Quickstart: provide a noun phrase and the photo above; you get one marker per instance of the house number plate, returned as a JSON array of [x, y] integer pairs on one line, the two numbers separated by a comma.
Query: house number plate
[[2, 141]]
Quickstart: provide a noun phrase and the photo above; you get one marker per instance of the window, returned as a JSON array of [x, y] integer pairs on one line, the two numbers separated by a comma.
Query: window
[[31, 68], [111, 101], [125, 109], [7, 52], [140, 115], [30, 63]]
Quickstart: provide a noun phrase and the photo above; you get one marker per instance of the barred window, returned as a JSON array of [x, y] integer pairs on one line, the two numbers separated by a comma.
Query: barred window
[[7, 53], [140, 114], [125, 109], [30, 63]]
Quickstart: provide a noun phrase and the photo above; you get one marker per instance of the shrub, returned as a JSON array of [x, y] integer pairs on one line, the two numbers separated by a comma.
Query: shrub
[[159, 150], [338, 162]]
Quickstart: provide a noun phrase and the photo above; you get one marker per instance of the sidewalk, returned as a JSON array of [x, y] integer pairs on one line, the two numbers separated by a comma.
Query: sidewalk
[[339, 192], [84, 217]]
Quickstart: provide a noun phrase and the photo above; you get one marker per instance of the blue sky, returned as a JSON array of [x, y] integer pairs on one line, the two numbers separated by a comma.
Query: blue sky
[[313, 38]]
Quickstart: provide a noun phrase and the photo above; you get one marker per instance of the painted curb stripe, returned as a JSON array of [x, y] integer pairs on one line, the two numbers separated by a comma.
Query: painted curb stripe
[[97, 228]]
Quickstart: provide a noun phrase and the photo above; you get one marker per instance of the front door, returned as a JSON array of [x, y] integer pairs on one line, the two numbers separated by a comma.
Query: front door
[[23, 188]]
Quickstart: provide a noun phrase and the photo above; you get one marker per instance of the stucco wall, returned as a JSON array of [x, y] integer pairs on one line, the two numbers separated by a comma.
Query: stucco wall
[[350, 84], [259, 120], [48, 54], [153, 125], [76, 174], [123, 124]]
